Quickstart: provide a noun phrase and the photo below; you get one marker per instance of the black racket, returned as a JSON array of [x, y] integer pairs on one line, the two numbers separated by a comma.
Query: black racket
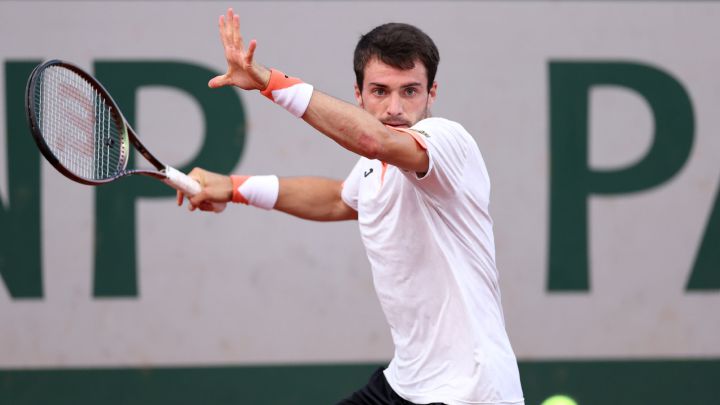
[[82, 133]]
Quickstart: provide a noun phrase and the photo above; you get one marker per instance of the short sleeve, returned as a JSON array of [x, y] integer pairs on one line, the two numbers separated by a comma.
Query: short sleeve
[[448, 145], [351, 186]]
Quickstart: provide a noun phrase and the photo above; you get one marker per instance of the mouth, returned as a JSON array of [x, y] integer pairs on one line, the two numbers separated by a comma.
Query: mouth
[[397, 124]]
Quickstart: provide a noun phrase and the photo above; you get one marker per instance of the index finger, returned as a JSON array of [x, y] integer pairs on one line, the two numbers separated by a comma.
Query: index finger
[[226, 28], [235, 26], [221, 28]]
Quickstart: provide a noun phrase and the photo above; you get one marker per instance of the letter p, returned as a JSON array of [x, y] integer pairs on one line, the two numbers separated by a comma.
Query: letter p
[[572, 181]]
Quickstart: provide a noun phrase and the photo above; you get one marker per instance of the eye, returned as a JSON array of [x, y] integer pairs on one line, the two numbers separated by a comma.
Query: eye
[[410, 91], [378, 91]]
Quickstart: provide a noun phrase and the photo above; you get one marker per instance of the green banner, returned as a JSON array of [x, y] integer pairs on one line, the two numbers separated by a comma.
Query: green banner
[[587, 382]]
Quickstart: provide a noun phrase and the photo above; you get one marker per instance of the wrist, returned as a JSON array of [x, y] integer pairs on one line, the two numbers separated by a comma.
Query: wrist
[[264, 76], [228, 189], [258, 191], [288, 92]]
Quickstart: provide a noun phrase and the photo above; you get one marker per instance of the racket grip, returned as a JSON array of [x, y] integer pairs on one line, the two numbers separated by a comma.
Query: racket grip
[[185, 184]]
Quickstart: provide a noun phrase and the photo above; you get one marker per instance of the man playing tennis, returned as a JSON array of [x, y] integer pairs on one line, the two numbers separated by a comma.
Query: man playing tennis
[[420, 193]]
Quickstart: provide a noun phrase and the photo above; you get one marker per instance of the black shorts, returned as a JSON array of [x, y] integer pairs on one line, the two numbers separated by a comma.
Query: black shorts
[[377, 392]]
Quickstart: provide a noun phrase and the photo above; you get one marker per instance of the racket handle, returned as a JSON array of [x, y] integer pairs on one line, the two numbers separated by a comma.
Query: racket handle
[[184, 183]]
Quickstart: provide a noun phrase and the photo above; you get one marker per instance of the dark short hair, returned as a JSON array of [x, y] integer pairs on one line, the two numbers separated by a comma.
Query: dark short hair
[[398, 45]]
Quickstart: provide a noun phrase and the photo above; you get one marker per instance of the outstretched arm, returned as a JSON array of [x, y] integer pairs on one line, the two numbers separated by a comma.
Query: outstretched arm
[[348, 125], [312, 198]]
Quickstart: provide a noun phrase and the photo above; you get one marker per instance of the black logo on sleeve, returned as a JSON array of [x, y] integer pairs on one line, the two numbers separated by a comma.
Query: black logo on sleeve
[[367, 173]]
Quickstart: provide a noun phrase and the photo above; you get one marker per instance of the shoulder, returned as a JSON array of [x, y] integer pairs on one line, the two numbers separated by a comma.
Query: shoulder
[[440, 127], [439, 123], [445, 133]]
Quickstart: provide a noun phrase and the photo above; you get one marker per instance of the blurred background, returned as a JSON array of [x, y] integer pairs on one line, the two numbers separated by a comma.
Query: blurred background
[[597, 120]]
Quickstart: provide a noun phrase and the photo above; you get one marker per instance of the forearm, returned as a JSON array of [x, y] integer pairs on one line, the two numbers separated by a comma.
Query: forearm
[[313, 198], [350, 126], [358, 131]]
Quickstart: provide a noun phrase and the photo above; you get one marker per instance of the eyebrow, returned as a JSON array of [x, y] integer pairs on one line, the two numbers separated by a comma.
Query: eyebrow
[[414, 84]]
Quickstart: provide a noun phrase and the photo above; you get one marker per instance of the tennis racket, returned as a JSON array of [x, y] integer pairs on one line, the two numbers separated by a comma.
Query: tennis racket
[[80, 130]]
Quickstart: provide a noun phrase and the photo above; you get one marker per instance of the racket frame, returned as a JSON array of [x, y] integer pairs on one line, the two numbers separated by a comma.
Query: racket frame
[[128, 134], [169, 175]]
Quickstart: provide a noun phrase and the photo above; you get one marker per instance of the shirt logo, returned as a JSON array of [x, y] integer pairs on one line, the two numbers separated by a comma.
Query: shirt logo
[[367, 173], [421, 132]]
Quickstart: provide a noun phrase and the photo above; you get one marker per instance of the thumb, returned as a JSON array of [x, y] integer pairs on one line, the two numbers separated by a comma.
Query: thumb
[[218, 81]]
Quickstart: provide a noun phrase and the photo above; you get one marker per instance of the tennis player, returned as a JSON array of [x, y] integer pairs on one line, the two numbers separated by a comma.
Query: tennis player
[[420, 192]]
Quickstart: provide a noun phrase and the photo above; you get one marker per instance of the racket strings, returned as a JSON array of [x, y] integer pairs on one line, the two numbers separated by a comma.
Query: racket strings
[[78, 126]]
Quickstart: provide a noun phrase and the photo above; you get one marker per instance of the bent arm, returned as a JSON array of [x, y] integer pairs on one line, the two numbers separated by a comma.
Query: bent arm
[[358, 131], [348, 125]]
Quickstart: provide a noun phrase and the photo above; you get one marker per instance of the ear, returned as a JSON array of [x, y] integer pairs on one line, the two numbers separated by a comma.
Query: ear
[[432, 94], [358, 95]]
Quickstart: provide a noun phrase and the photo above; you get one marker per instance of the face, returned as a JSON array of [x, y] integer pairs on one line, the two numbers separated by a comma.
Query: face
[[396, 97]]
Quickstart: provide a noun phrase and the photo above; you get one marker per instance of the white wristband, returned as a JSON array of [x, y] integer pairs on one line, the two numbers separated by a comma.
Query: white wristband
[[288, 92], [258, 191]]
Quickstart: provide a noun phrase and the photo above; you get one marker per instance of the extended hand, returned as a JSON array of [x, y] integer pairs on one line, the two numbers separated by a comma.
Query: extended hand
[[242, 70]]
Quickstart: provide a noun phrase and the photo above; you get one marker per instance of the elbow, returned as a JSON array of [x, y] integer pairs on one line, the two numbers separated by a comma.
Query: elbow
[[370, 146]]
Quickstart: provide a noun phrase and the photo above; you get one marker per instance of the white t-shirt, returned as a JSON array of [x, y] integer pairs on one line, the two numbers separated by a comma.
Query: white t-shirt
[[430, 244]]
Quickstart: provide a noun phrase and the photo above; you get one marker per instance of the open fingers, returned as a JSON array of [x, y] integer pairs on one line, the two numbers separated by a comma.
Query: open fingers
[[231, 30], [225, 26], [250, 52], [229, 27], [237, 38], [242, 71]]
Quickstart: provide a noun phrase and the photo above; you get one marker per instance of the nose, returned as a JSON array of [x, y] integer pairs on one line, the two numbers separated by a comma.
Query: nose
[[394, 107]]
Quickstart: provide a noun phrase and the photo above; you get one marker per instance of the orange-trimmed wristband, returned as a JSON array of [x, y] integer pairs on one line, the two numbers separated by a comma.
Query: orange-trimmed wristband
[[290, 93], [258, 191], [237, 196]]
